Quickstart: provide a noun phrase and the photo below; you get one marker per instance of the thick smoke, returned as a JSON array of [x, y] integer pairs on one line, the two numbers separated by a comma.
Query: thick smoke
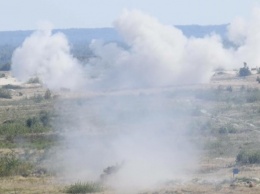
[[48, 57], [158, 55], [141, 133], [246, 36]]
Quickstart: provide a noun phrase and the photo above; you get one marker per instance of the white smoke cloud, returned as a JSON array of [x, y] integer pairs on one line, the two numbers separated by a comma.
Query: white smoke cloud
[[144, 135], [237, 31], [246, 34], [158, 55], [161, 55], [47, 56], [141, 131]]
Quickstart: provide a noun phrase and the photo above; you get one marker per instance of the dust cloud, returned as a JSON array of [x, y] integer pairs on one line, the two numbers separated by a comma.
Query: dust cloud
[[141, 135]]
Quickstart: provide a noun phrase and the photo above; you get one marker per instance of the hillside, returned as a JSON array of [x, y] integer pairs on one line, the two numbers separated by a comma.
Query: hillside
[[85, 35], [220, 121], [79, 38]]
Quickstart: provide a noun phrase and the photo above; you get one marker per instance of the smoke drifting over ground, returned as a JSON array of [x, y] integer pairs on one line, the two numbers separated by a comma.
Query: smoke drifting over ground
[[142, 134], [158, 55]]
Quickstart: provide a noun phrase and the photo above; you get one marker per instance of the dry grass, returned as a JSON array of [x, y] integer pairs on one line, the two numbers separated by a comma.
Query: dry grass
[[29, 185], [222, 122]]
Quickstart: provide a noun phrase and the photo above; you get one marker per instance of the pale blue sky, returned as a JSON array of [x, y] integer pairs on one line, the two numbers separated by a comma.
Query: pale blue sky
[[27, 14]]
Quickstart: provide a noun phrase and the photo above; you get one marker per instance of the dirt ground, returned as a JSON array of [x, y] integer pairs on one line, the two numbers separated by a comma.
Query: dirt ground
[[215, 172]]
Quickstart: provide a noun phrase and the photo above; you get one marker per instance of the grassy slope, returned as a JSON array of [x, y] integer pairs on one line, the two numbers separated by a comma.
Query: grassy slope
[[225, 121]]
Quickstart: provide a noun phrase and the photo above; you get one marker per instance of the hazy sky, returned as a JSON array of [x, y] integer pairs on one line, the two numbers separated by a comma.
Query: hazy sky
[[27, 14]]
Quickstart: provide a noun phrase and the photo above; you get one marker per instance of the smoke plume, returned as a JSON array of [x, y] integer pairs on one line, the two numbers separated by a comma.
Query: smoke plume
[[140, 133], [159, 55], [48, 57]]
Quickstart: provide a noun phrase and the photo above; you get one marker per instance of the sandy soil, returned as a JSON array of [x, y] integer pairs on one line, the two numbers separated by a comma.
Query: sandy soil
[[8, 79]]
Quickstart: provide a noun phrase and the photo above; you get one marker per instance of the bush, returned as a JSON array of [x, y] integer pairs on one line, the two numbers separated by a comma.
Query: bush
[[4, 93], [45, 118], [227, 129], [84, 188], [258, 70], [258, 79], [229, 88], [253, 96], [242, 88], [11, 165], [10, 86], [30, 122], [42, 120], [248, 157], [37, 98], [19, 128], [47, 95], [34, 80], [244, 71]]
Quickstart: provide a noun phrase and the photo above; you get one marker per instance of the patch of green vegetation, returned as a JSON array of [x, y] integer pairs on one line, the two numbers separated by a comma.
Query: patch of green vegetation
[[253, 96], [227, 129], [89, 187], [19, 128], [244, 71], [45, 118], [34, 80], [4, 93], [34, 132], [37, 98], [229, 95], [10, 86], [11, 165], [248, 157], [47, 94], [40, 141]]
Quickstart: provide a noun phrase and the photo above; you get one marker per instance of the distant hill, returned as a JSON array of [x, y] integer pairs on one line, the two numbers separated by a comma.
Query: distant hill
[[74, 35], [80, 38], [199, 31], [85, 35]]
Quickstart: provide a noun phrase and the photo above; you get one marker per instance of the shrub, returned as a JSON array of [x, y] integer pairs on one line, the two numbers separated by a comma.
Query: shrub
[[45, 118], [258, 70], [227, 129], [10, 86], [30, 122], [244, 71], [21, 128], [258, 79], [4, 93], [47, 94], [11, 165], [34, 80], [84, 188], [42, 120], [37, 98], [229, 88], [242, 88], [252, 96], [248, 157]]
